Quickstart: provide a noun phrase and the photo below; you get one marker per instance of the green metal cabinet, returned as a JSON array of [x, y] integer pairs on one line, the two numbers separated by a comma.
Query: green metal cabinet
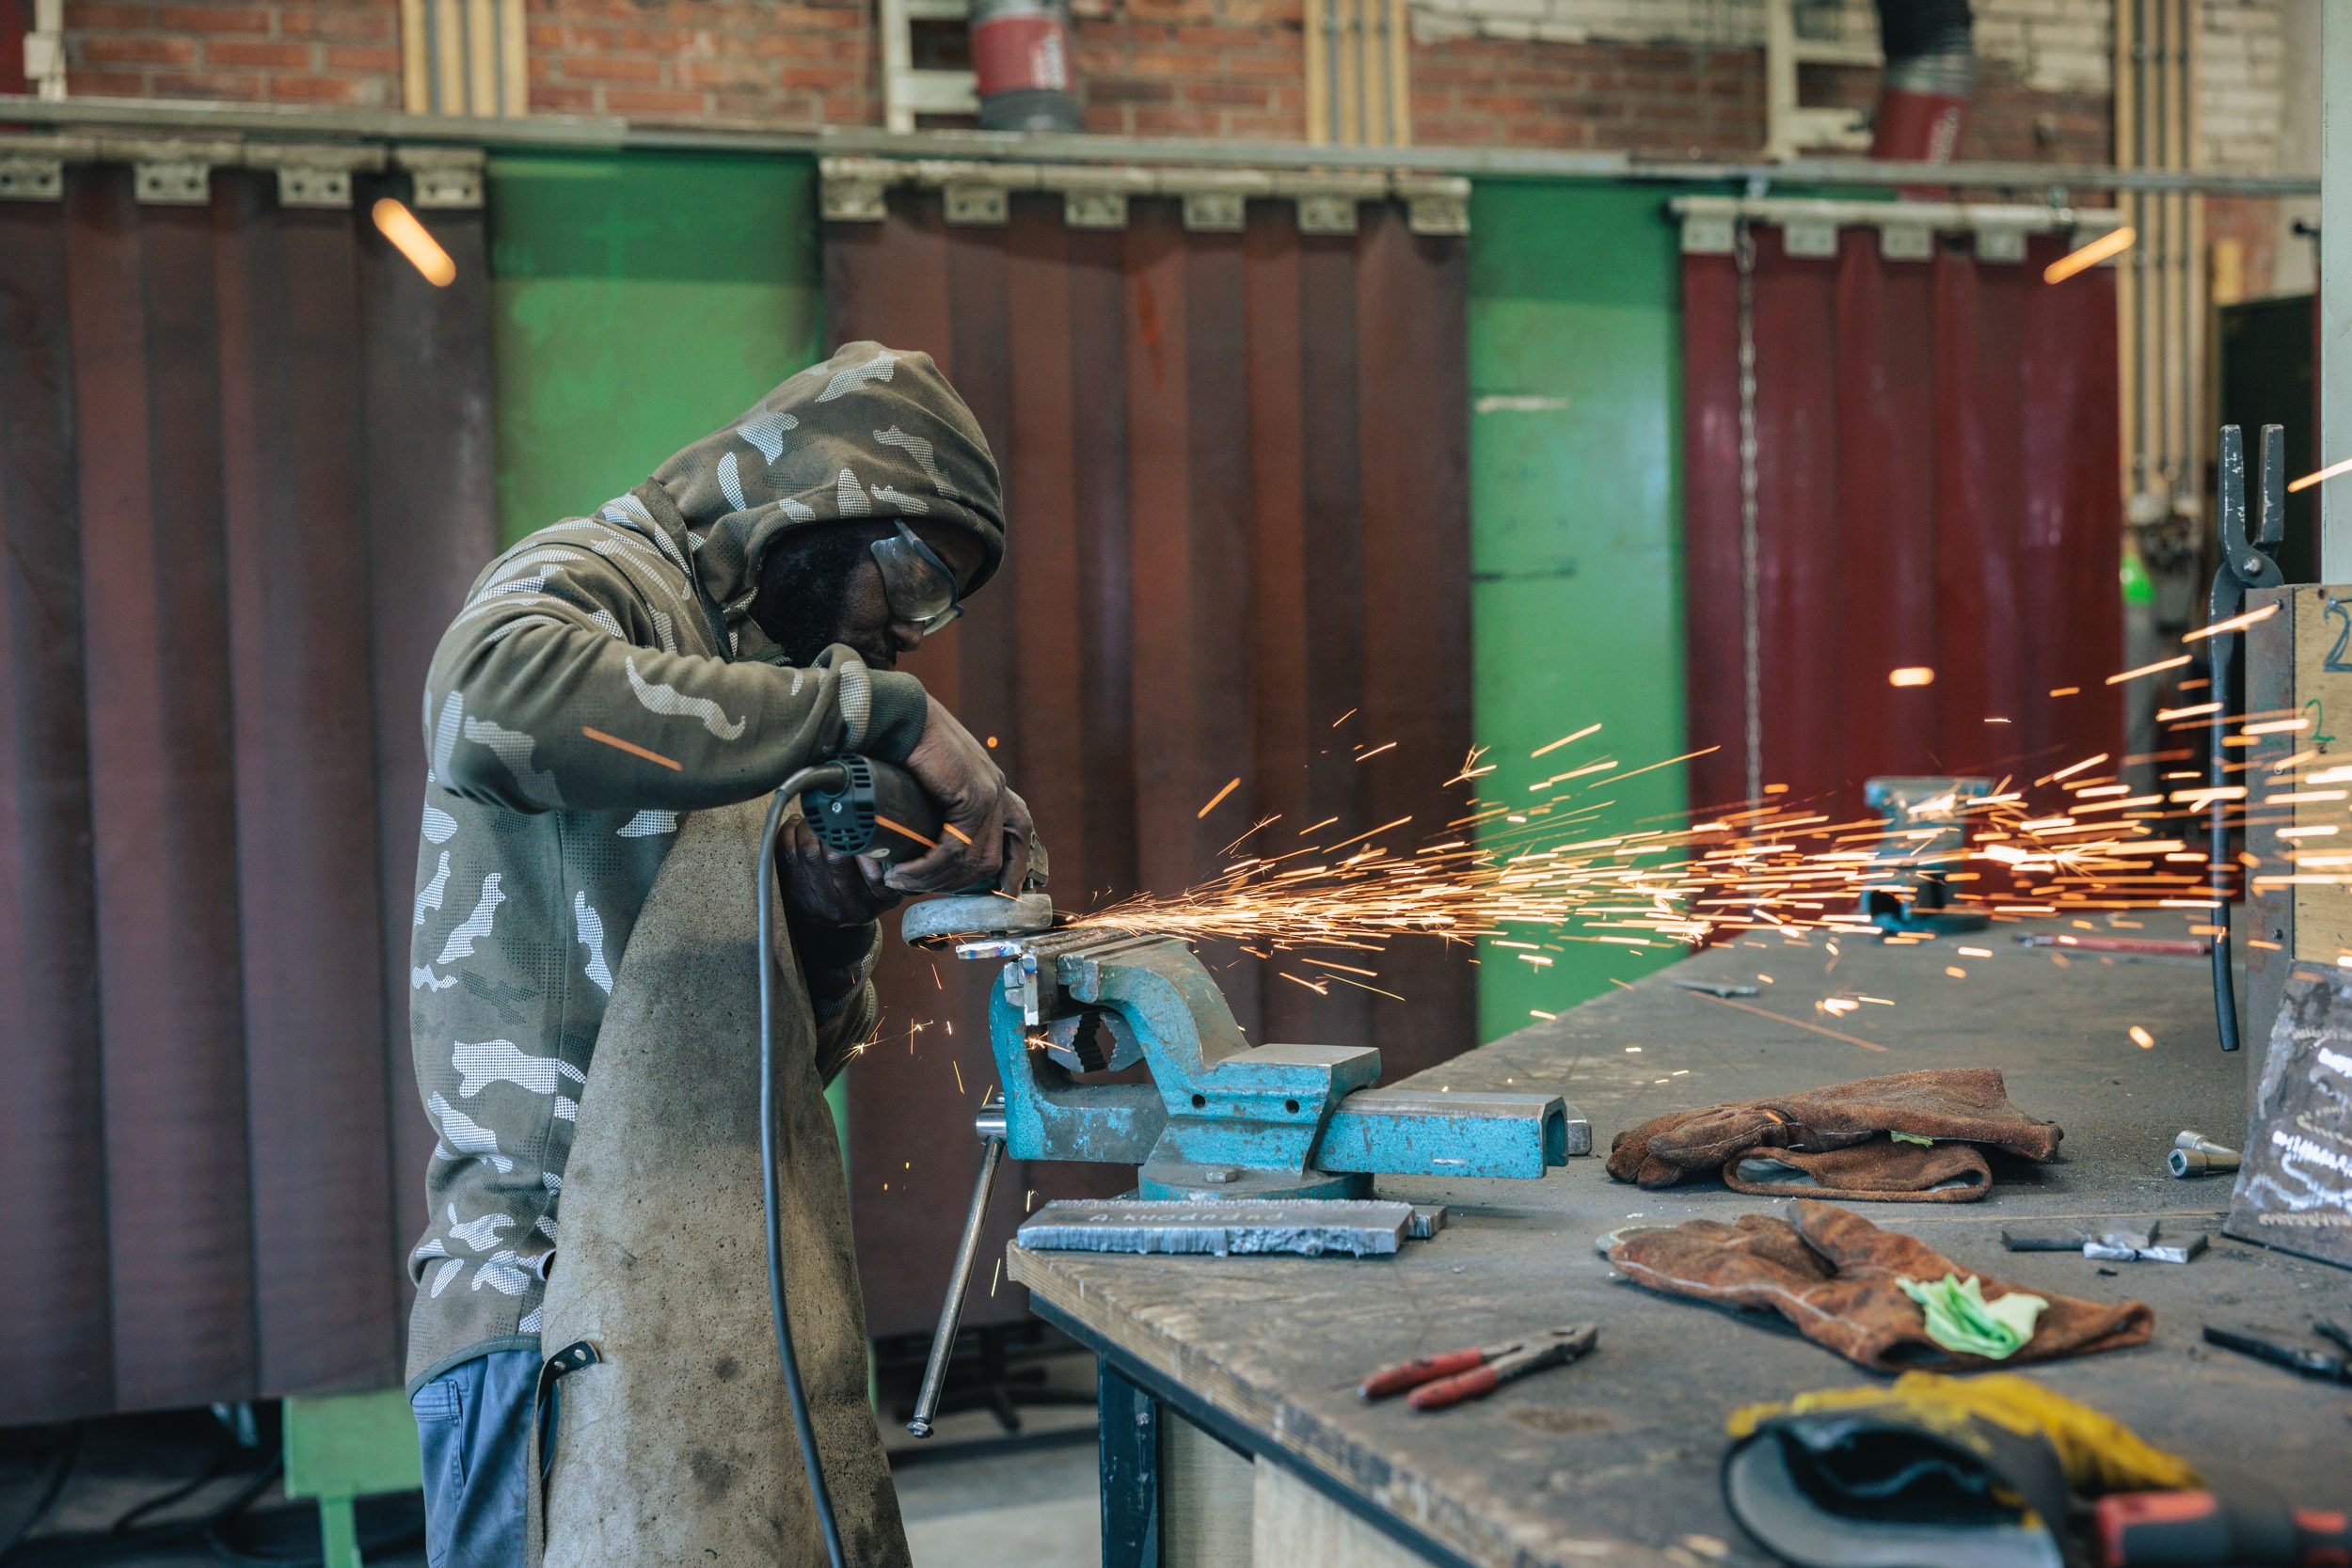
[[638, 302], [1576, 523]]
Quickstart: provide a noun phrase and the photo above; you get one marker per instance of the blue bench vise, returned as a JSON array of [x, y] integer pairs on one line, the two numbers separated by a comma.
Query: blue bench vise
[[1218, 1118]]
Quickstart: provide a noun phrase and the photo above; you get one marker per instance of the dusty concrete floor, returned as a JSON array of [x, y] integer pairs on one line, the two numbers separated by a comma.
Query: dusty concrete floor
[[1036, 1508], [971, 1498]]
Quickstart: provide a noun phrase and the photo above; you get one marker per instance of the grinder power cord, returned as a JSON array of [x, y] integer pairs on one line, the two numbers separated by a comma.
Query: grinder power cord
[[856, 806]]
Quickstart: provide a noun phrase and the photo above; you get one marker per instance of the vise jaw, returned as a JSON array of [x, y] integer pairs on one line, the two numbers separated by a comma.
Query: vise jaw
[[1221, 1118]]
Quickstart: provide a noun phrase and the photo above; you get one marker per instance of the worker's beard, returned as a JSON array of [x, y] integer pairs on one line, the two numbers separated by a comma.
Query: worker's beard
[[804, 591]]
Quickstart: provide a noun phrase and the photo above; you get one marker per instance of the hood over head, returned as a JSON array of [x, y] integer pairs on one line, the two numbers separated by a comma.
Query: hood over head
[[870, 435]]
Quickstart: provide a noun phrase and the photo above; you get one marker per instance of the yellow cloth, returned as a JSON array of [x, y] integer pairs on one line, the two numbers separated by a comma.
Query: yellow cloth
[[2099, 1453]]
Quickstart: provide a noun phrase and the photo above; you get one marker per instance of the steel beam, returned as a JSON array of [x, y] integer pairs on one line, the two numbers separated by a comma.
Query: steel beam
[[1488, 163]]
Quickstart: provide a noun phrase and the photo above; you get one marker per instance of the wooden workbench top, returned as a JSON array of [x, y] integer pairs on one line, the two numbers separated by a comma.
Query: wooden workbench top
[[1614, 1458]]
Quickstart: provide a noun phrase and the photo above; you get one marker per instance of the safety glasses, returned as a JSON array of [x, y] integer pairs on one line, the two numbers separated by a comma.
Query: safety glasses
[[919, 586]]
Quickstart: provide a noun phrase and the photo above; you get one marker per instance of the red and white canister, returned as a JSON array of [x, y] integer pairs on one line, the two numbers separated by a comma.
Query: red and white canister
[[1021, 53]]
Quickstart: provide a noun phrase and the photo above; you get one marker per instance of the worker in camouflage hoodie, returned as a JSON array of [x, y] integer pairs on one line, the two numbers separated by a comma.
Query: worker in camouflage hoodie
[[732, 619]]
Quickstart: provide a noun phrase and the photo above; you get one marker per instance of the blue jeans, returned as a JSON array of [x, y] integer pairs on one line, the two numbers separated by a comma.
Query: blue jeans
[[473, 1426]]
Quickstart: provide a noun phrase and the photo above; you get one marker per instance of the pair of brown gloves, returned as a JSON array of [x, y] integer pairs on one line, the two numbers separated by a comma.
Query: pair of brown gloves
[[1835, 1276], [1839, 1141]]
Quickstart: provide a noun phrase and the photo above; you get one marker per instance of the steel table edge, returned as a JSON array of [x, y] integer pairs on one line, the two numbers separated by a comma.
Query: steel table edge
[[1238, 1435]]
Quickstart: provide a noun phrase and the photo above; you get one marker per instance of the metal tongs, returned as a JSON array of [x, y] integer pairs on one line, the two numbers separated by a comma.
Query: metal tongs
[[2243, 567]]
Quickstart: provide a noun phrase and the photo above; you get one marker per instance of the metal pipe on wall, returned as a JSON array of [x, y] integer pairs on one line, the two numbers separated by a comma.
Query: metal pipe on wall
[[44, 50], [2161, 287], [593, 132], [2335, 289]]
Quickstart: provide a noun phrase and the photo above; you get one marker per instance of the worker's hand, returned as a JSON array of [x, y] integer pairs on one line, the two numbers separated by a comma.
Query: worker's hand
[[986, 840], [824, 887]]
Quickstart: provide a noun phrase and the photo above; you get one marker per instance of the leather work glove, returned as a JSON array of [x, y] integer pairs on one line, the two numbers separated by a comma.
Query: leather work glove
[[2101, 1453], [987, 831], [1835, 1276], [1837, 1139]]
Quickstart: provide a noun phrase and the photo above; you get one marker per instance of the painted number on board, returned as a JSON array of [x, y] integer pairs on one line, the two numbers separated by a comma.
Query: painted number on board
[[2335, 661]]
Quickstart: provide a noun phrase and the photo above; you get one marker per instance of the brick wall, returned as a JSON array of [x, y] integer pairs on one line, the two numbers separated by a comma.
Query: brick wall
[[1152, 68], [1670, 77], [16, 20], [2257, 119], [2240, 72], [337, 53], [1672, 100], [2044, 69], [2040, 45], [812, 62], [1193, 68], [1700, 101]]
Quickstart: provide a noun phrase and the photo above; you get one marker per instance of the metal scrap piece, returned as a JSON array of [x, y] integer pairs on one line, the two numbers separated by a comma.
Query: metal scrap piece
[[1360, 1228], [1717, 987], [2114, 1243], [2119, 1245], [2052, 1236]]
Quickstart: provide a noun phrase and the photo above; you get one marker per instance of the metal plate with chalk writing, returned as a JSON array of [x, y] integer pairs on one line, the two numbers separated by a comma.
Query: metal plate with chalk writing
[[1367, 1228], [2294, 1186]]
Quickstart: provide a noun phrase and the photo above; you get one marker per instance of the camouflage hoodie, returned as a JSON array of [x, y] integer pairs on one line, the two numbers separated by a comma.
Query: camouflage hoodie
[[603, 678]]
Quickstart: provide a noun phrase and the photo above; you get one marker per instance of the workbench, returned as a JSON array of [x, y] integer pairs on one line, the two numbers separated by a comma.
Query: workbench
[[1231, 1431]]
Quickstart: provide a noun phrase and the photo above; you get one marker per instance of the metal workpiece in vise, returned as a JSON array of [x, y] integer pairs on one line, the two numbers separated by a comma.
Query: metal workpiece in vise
[[2244, 566], [1219, 1118], [1926, 833]]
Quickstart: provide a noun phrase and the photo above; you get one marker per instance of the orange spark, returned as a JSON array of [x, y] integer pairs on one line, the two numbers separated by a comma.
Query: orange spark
[[412, 240], [2173, 664], [631, 748], [2330, 471], [905, 831], [2238, 622], [1231, 786], [2113, 243], [1579, 734]]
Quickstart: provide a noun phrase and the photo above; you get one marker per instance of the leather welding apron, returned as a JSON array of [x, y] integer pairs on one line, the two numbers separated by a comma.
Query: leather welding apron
[[677, 1446]]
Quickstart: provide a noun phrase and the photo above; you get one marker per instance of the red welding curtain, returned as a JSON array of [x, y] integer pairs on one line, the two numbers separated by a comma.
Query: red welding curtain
[[1936, 474], [245, 478], [1239, 547]]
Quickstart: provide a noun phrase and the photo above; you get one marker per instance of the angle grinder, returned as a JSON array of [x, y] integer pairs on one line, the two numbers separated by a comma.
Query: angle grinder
[[870, 808], [860, 807]]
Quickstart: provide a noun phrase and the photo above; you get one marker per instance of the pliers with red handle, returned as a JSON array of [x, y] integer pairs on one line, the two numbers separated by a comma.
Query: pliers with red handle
[[1453, 1376]]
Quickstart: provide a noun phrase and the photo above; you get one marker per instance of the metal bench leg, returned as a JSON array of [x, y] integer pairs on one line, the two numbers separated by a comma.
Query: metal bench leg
[[339, 1533], [1130, 1439]]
